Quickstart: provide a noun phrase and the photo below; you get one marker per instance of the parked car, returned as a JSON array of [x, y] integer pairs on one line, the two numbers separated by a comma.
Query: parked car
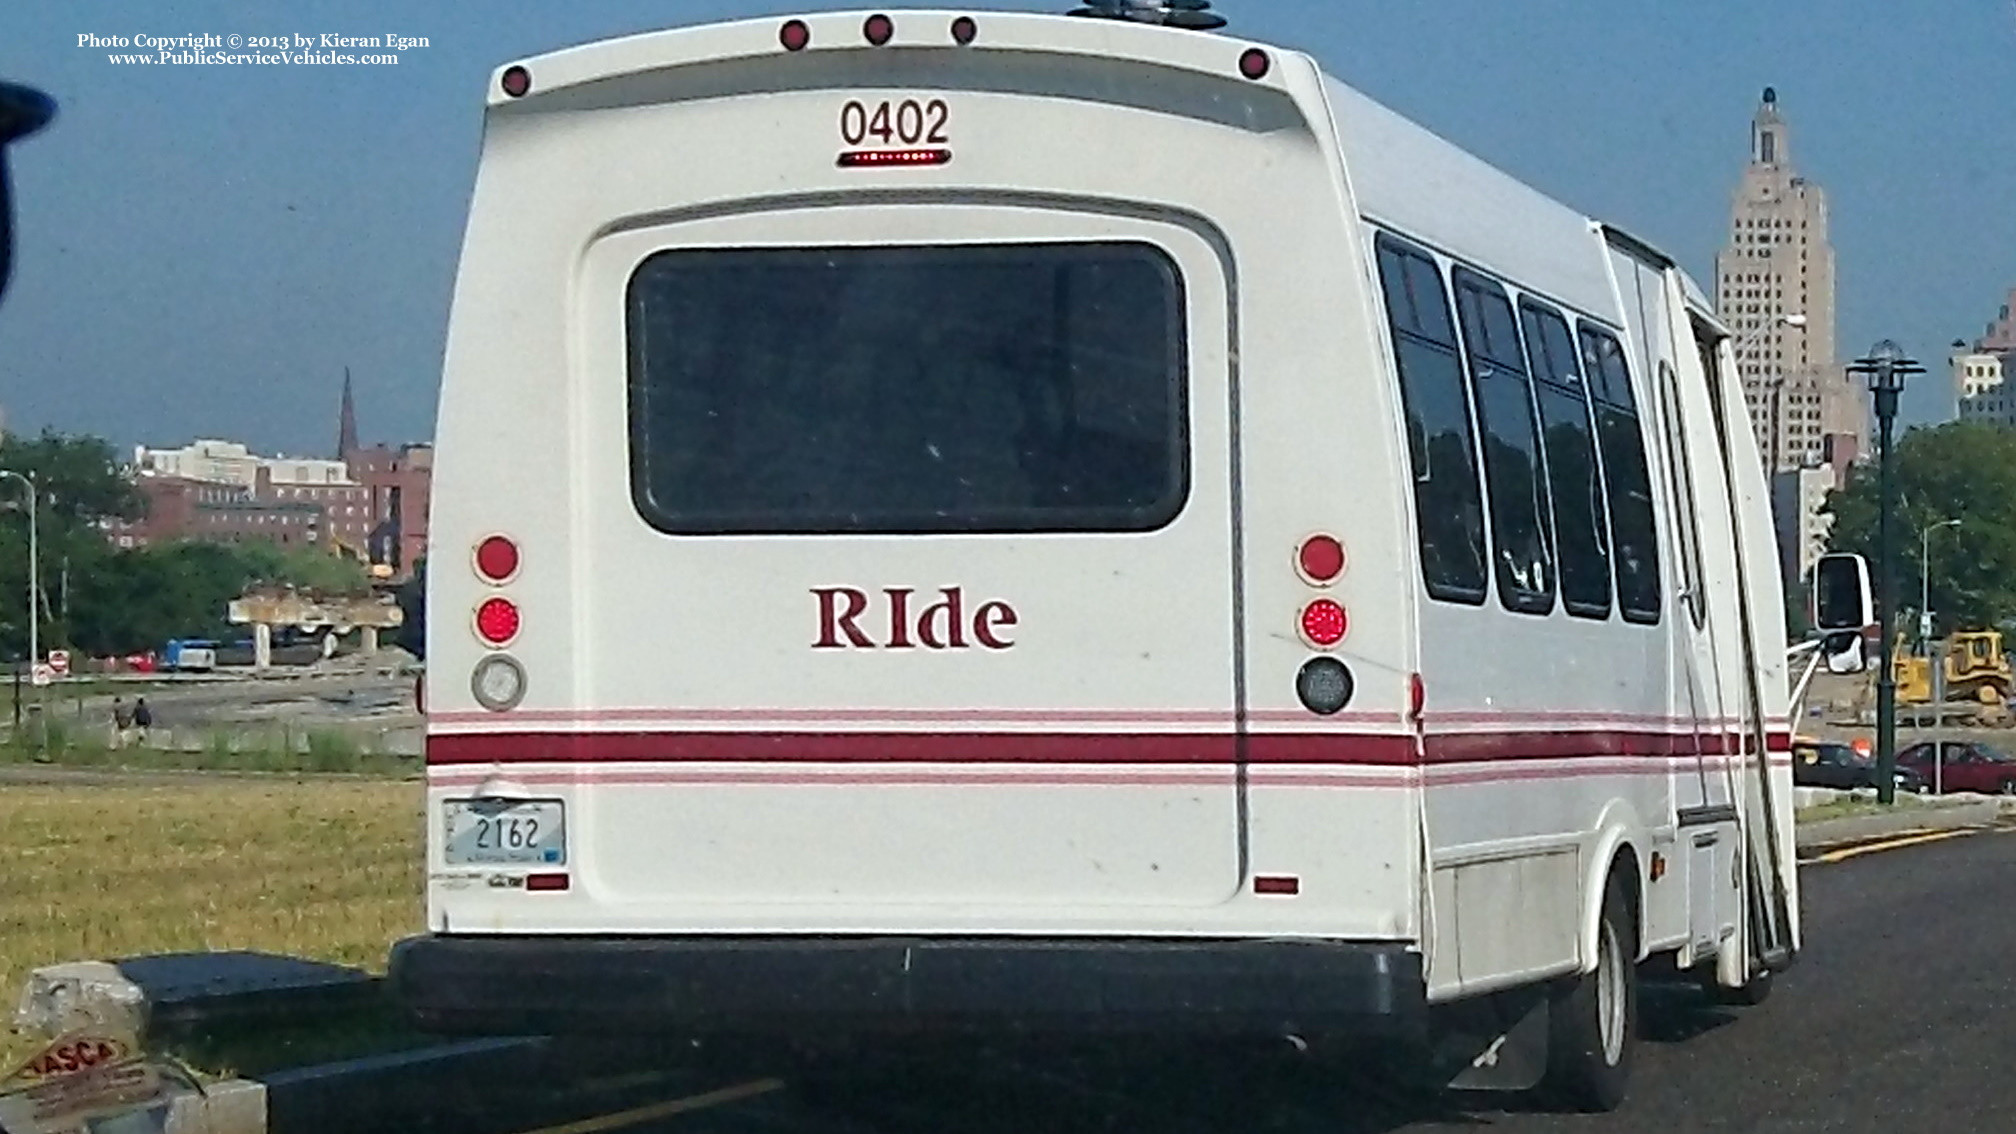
[[1964, 765], [1823, 763]]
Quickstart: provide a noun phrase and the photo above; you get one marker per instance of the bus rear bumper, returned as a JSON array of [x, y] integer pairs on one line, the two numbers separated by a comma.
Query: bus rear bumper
[[782, 985]]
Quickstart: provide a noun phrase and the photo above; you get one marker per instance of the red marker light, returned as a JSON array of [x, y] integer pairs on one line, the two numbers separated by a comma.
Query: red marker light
[[497, 559], [497, 620], [516, 81], [1254, 64], [859, 159], [964, 30], [794, 35], [878, 29], [1277, 884], [1324, 623], [1321, 558], [547, 882]]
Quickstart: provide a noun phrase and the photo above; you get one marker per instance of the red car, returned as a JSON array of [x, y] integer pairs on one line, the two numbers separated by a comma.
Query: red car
[[1965, 765]]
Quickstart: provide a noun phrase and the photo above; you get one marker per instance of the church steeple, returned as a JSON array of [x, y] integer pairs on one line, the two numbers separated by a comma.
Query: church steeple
[[1768, 137], [346, 427]]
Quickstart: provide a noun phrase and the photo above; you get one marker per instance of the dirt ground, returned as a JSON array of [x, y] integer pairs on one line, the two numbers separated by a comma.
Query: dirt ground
[[368, 698]]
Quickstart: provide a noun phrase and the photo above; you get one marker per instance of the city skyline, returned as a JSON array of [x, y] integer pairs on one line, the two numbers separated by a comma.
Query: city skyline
[[205, 249]]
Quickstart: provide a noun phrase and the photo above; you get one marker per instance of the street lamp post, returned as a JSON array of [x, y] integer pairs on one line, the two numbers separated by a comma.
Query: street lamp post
[[1932, 663], [1885, 367], [34, 571], [1776, 384], [1925, 579]]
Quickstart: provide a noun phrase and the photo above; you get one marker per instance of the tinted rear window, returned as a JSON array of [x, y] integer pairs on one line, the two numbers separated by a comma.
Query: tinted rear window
[[968, 388]]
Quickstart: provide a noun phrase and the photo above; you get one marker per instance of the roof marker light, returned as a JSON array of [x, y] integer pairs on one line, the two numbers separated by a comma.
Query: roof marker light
[[1320, 559], [794, 35], [964, 30], [517, 82], [878, 29], [1255, 64]]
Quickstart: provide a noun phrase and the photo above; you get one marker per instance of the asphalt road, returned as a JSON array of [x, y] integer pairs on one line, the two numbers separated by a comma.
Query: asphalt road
[[1900, 1016]]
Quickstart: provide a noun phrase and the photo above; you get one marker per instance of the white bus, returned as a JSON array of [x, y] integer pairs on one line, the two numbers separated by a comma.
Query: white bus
[[1008, 521]]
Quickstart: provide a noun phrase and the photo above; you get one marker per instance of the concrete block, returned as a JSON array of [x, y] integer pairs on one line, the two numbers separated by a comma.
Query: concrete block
[[81, 995]]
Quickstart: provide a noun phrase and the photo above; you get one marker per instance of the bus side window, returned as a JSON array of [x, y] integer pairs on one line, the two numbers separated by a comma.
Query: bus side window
[[1620, 440], [1581, 532], [1517, 480], [1448, 504]]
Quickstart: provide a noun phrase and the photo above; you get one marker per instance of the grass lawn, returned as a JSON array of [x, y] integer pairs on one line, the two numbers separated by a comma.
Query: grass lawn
[[325, 869]]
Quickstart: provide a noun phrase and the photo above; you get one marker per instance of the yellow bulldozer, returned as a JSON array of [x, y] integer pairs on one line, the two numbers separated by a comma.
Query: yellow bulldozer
[[1973, 669]]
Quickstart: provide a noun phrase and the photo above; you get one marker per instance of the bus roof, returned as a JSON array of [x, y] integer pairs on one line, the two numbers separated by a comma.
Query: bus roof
[[1212, 54]]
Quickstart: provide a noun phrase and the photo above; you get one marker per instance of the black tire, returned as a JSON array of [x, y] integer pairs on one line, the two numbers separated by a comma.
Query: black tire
[[1592, 1019]]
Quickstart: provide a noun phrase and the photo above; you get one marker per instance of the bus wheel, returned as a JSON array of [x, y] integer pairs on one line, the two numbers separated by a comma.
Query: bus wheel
[[1593, 1018]]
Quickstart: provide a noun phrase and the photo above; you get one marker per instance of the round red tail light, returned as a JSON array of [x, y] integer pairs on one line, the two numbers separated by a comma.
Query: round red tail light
[[497, 559], [794, 35], [497, 621], [1254, 64], [964, 30], [1321, 559], [1324, 623], [879, 29], [516, 81]]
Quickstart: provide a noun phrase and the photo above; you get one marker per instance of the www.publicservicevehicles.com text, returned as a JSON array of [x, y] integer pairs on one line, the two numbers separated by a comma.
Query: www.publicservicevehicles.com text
[[252, 50]]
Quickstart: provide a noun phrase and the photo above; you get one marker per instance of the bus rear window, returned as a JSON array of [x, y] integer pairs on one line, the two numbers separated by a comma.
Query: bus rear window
[[959, 388]]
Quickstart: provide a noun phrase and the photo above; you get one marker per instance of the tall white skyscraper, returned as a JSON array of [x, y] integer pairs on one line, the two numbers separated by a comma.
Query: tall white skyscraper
[[1779, 263]]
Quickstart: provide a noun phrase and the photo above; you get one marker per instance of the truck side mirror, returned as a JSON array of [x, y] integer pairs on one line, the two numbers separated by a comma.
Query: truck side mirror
[[23, 110], [1842, 609]]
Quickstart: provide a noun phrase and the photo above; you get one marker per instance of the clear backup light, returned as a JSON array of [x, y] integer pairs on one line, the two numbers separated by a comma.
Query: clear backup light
[[1324, 685], [498, 683]]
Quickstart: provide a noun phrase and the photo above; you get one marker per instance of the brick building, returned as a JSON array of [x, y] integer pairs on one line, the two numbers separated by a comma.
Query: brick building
[[369, 504]]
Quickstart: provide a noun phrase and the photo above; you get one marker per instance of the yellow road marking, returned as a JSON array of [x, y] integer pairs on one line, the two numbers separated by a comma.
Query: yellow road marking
[[1892, 844], [636, 1115]]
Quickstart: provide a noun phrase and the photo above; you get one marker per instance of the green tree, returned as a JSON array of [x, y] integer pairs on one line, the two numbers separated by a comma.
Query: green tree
[[106, 600], [1961, 470]]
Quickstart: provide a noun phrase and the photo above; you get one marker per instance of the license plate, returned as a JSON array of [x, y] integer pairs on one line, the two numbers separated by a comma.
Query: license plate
[[504, 832]]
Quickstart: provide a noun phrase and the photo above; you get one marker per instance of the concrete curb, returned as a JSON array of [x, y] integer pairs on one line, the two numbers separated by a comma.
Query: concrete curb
[[235, 1106]]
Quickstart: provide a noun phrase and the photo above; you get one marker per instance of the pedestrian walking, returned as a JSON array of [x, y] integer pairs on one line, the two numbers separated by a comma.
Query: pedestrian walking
[[143, 717], [122, 722]]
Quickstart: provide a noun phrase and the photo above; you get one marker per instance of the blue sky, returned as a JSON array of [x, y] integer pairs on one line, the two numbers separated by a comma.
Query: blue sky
[[204, 249]]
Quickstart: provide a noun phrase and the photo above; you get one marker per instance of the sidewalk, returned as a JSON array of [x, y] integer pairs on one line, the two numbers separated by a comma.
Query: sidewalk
[[1948, 813]]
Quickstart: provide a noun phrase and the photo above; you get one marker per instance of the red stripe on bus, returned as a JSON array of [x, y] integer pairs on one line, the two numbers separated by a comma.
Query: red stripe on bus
[[1056, 748]]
